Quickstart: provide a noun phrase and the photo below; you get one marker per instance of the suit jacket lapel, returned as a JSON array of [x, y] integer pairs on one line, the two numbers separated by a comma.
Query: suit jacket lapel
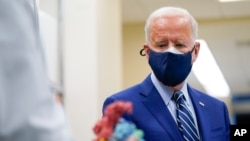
[[154, 103], [201, 114]]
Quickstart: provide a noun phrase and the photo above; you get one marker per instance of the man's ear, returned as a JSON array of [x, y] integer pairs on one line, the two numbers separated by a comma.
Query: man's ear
[[196, 51], [146, 49]]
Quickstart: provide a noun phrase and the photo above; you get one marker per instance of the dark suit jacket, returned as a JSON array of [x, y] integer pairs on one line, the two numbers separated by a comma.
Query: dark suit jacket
[[152, 116]]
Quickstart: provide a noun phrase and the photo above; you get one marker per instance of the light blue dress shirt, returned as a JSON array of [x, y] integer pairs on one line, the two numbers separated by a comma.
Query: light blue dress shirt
[[166, 94]]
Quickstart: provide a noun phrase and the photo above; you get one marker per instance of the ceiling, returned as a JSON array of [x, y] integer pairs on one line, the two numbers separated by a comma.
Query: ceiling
[[138, 10], [236, 71]]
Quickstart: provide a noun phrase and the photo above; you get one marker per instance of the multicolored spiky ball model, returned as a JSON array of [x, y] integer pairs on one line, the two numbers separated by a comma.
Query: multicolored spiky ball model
[[112, 127]]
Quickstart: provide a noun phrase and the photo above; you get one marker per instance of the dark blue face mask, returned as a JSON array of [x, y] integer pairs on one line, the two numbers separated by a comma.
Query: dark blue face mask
[[170, 68]]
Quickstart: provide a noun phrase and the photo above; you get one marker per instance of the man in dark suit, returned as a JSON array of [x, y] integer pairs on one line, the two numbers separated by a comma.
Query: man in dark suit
[[171, 49]]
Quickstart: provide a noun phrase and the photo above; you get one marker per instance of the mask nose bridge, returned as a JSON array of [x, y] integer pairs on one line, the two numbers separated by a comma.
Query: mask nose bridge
[[172, 50]]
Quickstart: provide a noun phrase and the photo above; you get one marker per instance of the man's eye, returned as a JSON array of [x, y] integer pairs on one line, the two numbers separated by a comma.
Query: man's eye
[[162, 45], [180, 45]]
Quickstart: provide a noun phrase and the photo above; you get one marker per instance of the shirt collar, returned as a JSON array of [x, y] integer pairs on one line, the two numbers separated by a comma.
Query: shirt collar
[[165, 92]]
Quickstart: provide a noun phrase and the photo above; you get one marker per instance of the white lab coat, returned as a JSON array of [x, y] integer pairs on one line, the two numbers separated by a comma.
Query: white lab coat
[[28, 110]]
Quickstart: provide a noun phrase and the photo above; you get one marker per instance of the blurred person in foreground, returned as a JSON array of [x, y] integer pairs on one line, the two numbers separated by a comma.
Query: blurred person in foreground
[[165, 106], [28, 109]]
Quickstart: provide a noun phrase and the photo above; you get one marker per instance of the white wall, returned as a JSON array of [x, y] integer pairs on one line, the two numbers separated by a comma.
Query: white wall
[[92, 59]]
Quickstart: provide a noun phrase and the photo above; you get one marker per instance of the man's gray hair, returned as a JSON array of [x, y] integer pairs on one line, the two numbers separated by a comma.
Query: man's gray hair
[[170, 11]]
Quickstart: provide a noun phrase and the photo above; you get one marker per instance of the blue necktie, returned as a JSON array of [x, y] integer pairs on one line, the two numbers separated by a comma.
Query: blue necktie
[[185, 120]]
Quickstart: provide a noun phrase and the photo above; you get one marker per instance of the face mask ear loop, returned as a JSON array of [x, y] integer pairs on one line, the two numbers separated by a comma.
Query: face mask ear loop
[[193, 48], [142, 52]]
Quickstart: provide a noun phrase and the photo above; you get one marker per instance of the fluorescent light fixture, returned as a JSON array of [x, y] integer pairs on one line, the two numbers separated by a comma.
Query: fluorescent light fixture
[[209, 74], [232, 0]]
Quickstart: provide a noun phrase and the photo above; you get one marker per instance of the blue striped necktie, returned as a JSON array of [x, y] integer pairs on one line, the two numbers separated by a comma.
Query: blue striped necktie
[[185, 120]]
